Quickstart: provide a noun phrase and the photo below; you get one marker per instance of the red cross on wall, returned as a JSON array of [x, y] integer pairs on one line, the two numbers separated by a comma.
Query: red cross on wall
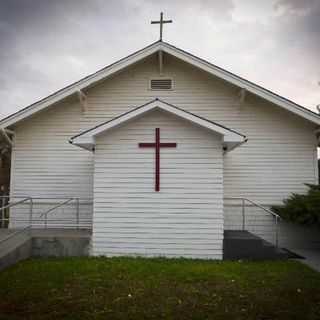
[[157, 145]]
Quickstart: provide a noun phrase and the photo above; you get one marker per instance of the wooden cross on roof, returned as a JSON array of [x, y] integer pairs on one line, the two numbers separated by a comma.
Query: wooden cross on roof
[[161, 22]]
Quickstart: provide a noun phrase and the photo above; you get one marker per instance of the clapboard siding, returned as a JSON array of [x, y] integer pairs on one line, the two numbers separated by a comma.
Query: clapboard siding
[[193, 226], [45, 164], [278, 159], [267, 168]]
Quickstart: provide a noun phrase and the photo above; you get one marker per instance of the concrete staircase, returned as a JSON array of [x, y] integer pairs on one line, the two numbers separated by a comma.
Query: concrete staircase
[[237, 245], [241, 244], [13, 249], [16, 246]]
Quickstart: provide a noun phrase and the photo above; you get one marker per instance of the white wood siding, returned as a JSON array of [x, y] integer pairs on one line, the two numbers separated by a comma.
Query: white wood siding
[[185, 218], [277, 160]]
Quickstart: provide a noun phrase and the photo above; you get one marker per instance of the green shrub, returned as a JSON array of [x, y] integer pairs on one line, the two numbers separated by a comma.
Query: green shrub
[[302, 208]]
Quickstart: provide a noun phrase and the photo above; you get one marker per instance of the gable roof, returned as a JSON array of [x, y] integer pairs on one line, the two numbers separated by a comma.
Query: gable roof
[[178, 53], [231, 138]]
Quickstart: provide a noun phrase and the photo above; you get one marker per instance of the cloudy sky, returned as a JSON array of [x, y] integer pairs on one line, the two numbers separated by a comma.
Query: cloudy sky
[[48, 44]]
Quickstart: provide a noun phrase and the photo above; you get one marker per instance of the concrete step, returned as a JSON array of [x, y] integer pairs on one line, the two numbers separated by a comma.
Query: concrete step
[[15, 248], [60, 242], [12, 238], [42, 243]]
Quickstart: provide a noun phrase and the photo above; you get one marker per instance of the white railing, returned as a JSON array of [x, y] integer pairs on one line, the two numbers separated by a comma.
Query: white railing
[[5, 219], [47, 212], [60, 212], [20, 215], [261, 220], [10, 204]]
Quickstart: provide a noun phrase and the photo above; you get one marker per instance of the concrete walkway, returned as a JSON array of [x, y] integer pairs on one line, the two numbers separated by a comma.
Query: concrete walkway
[[312, 257]]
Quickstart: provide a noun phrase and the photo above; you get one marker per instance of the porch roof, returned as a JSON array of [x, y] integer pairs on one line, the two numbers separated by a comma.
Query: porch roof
[[231, 138]]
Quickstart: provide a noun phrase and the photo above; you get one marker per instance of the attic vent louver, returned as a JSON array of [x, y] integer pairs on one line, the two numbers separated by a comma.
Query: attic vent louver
[[161, 84]]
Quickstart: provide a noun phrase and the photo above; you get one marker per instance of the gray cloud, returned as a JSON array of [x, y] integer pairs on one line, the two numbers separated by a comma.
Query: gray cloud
[[47, 44], [296, 6]]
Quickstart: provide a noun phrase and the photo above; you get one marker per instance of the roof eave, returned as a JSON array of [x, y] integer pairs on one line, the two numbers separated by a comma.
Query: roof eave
[[228, 134], [87, 139], [242, 83], [80, 85]]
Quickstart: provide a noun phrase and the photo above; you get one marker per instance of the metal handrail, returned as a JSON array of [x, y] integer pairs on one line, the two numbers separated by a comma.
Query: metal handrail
[[275, 215], [15, 203], [12, 204], [45, 214], [14, 197], [255, 204], [56, 207], [44, 198], [36, 222]]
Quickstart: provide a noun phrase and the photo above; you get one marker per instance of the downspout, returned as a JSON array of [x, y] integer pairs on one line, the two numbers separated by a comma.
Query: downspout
[[317, 132]]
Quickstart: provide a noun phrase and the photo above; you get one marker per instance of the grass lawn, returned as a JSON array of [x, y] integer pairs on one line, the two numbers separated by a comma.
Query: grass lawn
[[126, 288]]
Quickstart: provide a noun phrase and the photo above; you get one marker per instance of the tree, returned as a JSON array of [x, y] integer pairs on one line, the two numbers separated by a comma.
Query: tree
[[302, 208]]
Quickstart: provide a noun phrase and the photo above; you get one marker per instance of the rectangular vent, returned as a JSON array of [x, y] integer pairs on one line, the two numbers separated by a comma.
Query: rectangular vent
[[161, 84]]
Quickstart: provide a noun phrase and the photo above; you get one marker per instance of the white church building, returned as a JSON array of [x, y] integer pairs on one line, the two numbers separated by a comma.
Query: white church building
[[158, 154]]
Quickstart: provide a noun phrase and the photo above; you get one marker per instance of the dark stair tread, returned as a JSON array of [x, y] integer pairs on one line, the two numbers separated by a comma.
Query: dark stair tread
[[276, 250], [239, 234], [241, 244]]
